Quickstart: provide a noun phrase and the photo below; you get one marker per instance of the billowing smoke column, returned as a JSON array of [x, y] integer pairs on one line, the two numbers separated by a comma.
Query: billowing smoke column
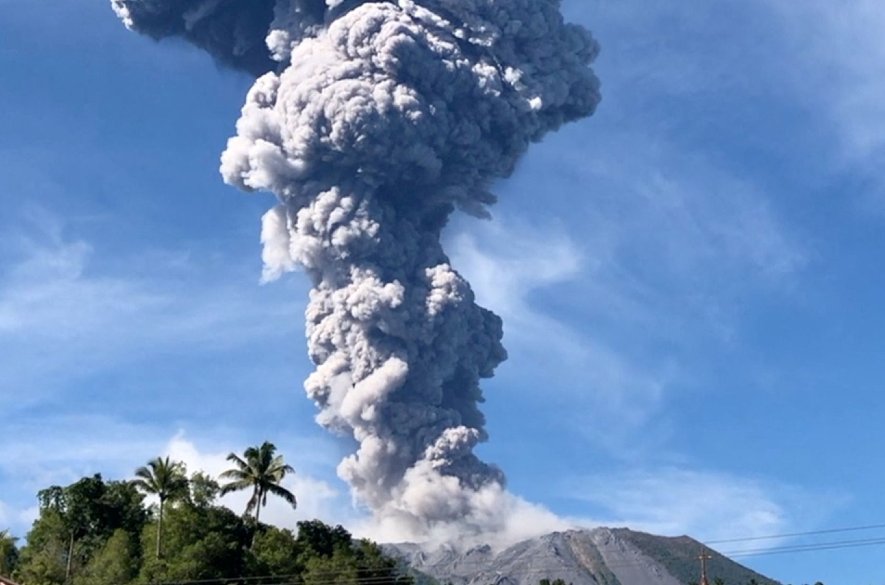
[[377, 121]]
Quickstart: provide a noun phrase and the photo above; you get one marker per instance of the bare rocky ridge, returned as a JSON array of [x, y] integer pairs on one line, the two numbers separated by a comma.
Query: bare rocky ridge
[[601, 556]]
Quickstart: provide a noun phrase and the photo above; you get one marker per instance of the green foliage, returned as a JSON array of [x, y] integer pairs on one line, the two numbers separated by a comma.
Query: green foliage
[[122, 508], [349, 563], [260, 470], [44, 559], [201, 543], [203, 490], [74, 523], [330, 554], [336, 568], [321, 540], [375, 566], [165, 479], [92, 509], [213, 556], [94, 532], [8, 553], [114, 563], [276, 552]]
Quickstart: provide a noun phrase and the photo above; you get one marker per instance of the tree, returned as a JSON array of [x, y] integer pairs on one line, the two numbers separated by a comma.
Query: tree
[[8, 553], [115, 563], [199, 543], [43, 561], [165, 479], [373, 566], [329, 555], [203, 490], [73, 505], [318, 539], [83, 516], [260, 470], [275, 551]]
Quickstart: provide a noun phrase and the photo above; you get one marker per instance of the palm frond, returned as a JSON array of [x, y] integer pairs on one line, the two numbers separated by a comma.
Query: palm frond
[[235, 474], [282, 492], [162, 477], [262, 470], [237, 460], [234, 486]]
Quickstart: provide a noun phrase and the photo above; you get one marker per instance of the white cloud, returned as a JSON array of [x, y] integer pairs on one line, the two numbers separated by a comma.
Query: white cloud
[[706, 505], [316, 498], [828, 64], [519, 260], [660, 255], [682, 224], [62, 317], [98, 346], [13, 520], [55, 449], [663, 244], [37, 459], [840, 53], [507, 263]]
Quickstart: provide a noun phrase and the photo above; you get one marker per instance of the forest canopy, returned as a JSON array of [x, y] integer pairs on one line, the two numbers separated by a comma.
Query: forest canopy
[[99, 532]]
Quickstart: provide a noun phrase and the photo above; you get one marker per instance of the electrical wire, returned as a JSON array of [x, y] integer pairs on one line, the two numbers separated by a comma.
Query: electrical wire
[[807, 547], [795, 534]]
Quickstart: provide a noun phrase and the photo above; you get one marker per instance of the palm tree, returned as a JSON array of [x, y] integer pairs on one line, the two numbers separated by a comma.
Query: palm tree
[[261, 471], [166, 480]]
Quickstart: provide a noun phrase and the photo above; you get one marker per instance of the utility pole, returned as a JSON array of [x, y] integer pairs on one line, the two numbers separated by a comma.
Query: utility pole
[[704, 557]]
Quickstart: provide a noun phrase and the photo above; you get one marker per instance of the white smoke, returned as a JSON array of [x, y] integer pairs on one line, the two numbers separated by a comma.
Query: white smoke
[[382, 118]]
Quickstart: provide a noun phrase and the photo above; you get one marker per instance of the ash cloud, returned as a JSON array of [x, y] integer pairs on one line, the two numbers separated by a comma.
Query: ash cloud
[[380, 119], [232, 31]]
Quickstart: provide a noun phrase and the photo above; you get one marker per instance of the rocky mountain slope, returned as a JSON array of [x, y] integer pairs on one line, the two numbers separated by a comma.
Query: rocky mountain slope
[[601, 556]]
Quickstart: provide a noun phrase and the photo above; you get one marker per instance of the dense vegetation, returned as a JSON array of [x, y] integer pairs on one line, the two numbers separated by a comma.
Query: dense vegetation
[[98, 532]]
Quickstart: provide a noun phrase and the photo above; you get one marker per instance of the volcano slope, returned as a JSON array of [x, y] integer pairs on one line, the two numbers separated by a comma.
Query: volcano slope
[[601, 556]]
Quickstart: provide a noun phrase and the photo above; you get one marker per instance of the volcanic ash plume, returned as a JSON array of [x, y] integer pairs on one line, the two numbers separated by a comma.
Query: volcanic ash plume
[[378, 120]]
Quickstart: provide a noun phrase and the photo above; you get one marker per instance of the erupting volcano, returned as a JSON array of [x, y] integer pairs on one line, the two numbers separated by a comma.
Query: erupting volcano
[[371, 122]]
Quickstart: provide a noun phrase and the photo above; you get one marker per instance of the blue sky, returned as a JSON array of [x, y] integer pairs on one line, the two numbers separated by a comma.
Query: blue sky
[[690, 280]]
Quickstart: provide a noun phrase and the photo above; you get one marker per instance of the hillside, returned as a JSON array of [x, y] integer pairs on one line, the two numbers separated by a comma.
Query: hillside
[[601, 556]]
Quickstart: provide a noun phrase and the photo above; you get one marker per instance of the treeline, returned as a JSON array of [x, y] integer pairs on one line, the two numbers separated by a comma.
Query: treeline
[[98, 532]]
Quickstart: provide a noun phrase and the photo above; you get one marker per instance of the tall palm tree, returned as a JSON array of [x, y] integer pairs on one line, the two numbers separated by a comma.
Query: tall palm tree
[[261, 471], [165, 479]]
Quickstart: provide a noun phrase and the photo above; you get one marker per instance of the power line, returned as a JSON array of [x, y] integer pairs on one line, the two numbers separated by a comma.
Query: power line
[[795, 534], [808, 547]]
